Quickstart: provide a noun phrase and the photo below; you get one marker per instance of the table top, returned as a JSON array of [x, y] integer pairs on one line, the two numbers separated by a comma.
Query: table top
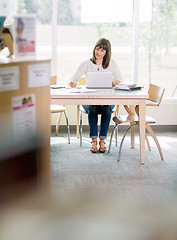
[[96, 93]]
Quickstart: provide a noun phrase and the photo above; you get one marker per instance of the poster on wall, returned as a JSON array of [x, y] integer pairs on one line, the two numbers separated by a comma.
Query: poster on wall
[[9, 79], [23, 112], [24, 36]]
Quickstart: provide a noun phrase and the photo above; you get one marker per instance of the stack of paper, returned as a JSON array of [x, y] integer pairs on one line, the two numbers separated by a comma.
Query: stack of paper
[[127, 86]]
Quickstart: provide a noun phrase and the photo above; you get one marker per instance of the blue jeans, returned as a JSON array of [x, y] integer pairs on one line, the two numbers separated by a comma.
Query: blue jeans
[[93, 111]]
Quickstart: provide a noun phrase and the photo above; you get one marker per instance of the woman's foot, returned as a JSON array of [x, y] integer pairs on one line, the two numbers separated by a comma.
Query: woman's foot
[[94, 148], [102, 148]]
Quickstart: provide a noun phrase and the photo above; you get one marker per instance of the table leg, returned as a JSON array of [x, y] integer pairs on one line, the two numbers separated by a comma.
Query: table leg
[[142, 118], [77, 121]]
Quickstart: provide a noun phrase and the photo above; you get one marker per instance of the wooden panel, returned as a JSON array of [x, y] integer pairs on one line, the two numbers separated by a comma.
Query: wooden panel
[[8, 41], [42, 106]]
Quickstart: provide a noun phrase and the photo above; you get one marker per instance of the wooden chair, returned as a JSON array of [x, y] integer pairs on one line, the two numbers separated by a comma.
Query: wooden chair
[[81, 110], [60, 109], [155, 97]]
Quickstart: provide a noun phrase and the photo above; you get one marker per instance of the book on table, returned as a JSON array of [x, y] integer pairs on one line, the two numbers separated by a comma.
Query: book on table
[[127, 86]]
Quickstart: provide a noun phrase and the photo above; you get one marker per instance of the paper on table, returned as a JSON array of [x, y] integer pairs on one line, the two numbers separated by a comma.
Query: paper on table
[[130, 84], [125, 86], [80, 90], [57, 86]]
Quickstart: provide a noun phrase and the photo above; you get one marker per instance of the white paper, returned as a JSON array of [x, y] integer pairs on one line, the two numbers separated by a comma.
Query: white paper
[[24, 119], [81, 90], [9, 79], [72, 90], [38, 75]]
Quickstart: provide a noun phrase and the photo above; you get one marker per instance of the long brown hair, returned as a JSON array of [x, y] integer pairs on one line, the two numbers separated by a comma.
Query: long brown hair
[[106, 45]]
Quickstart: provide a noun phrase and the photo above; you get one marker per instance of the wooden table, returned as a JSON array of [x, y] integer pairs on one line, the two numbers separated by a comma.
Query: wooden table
[[106, 97]]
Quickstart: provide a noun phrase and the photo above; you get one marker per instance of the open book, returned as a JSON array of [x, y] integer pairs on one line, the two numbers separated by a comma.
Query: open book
[[127, 86]]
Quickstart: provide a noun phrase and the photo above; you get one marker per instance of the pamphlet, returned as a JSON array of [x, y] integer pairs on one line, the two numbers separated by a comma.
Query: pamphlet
[[24, 36], [24, 119]]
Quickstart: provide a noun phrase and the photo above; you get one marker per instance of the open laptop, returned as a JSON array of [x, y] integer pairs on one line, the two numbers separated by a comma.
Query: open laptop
[[99, 80]]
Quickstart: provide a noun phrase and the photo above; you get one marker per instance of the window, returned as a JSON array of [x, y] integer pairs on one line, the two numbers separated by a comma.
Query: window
[[82, 22], [89, 21], [158, 47]]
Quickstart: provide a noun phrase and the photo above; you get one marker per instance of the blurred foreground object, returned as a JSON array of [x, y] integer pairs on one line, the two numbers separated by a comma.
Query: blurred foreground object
[[86, 217], [19, 166]]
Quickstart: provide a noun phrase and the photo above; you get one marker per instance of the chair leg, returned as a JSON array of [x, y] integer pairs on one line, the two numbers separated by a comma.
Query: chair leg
[[116, 134], [120, 148], [67, 122], [58, 123], [147, 141], [112, 134], [155, 139], [80, 128]]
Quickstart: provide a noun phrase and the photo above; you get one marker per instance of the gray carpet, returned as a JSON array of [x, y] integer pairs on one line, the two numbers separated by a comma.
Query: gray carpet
[[76, 169]]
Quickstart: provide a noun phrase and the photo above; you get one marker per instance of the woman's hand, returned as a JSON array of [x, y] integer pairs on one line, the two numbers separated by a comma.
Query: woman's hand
[[73, 84], [114, 82]]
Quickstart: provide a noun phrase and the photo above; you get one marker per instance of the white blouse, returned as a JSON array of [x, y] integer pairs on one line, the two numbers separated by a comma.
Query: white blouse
[[89, 66]]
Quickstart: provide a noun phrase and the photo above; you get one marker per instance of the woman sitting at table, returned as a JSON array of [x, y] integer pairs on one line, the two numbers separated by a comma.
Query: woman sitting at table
[[100, 62]]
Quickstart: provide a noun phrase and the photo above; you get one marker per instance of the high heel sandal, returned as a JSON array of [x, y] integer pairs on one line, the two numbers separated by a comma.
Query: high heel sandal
[[102, 148], [94, 148]]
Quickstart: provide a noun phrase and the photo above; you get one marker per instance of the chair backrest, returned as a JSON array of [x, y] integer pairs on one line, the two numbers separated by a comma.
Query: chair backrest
[[82, 81], [155, 93], [53, 80]]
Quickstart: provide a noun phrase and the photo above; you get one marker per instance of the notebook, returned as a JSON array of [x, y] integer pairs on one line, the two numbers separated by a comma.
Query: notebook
[[99, 80]]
